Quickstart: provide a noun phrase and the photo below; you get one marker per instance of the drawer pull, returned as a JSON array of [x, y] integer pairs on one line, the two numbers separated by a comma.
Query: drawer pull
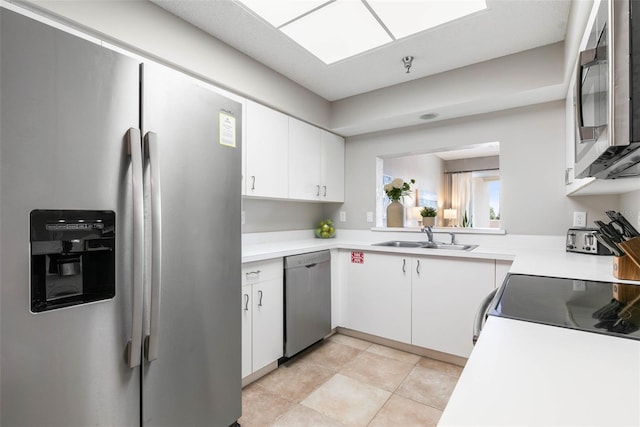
[[404, 265], [259, 298], [418, 266], [248, 273], [246, 302]]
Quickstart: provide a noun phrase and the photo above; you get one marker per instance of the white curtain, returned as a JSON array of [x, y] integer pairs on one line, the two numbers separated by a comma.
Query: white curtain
[[461, 194]]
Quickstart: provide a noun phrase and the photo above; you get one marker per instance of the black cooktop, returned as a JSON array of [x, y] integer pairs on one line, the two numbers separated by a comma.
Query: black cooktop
[[576, 304]]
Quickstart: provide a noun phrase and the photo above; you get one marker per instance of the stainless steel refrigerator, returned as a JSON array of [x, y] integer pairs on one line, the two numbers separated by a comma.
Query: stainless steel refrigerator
[[119, 238]]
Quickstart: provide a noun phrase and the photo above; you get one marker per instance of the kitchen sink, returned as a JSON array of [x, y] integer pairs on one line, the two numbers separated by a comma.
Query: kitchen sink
[[426, 245], [450, 247], [401, 244]]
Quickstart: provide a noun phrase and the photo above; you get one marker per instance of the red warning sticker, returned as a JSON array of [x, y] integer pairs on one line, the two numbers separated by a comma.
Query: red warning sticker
[[357, 257]]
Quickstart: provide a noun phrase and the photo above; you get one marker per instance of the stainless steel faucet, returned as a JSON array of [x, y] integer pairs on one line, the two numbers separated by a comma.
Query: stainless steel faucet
[[427, 230], [453, 238]]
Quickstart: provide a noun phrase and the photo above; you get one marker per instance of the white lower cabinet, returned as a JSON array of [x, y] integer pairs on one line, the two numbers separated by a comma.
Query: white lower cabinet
[[428, 301], [377, 295], [262, 314], [446, 293]]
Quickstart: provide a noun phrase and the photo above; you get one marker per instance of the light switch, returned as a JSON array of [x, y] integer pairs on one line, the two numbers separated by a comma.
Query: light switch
[[343, 216]]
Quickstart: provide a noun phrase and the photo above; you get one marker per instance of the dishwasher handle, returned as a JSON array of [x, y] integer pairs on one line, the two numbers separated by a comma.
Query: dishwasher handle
[[481, 315]]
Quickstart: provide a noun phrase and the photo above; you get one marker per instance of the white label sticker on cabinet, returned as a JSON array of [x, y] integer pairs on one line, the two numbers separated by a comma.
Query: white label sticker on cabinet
[[357, 257], [227, 126]]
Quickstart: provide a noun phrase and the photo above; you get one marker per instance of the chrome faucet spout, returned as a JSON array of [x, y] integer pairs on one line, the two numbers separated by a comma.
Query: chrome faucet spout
[[427, 230], [453, 238]]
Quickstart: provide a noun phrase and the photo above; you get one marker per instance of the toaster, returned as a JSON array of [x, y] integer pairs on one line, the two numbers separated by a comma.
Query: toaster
[[583, 240]]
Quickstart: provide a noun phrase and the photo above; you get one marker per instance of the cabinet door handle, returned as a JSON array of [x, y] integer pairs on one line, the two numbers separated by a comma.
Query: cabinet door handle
[[253, 182], [418, 266], [317, 190], [248, 273], [259, 298], [325, 190], [246, 302], [404, 265]]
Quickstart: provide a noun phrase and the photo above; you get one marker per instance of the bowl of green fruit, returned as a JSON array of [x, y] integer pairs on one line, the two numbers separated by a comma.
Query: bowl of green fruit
[[325, 229]]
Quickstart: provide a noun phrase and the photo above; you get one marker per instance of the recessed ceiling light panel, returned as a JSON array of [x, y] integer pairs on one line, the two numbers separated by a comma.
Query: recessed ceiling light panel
[[337, 31], [278, 12], [406, 17]]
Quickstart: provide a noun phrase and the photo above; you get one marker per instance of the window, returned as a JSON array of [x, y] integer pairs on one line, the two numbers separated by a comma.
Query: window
[[475, 198], [465, 180]]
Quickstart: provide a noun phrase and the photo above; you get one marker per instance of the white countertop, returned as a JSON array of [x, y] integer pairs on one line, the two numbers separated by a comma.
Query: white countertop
[[519, 373], [537, 255], [526, 374]]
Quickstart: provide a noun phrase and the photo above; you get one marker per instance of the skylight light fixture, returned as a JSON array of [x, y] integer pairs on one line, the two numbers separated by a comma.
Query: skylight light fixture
[[279, 12], [406, 17], [338, 30], [333, 30]]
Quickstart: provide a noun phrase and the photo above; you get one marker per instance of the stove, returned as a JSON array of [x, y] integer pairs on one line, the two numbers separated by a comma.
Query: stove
[[584, 305]]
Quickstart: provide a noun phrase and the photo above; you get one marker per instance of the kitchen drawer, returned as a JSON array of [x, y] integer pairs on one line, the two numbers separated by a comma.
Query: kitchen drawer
[[258, 271]]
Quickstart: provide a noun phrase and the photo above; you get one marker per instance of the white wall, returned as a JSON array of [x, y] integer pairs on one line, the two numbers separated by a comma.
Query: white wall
[[532, 144], [276, 215], [630, 207]]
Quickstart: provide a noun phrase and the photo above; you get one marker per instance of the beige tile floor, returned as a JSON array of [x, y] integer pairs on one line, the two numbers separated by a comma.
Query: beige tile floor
[[346, 381]]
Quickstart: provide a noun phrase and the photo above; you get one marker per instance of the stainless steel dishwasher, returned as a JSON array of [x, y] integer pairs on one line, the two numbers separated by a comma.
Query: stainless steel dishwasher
[[307, 300]]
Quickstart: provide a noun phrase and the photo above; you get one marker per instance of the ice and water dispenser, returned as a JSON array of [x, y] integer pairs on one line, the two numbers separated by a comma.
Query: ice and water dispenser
[[72, 258]]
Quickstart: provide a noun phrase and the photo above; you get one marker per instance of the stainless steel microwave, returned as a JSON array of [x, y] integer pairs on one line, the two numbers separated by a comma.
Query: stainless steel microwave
[[607, 94]]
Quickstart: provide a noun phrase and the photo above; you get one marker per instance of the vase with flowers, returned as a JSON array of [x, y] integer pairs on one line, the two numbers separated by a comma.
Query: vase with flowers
[[395, 190]]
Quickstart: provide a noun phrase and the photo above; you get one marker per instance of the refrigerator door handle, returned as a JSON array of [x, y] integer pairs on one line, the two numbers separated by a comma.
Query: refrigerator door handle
[[151, 154], [135, 151]]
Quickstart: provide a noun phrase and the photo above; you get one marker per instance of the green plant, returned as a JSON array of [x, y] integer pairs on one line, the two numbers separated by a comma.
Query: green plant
[[398, 188], [428, 211], [466, 221]]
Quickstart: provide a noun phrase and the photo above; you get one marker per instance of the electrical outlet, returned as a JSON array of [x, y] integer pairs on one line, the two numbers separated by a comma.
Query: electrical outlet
[[579, 219], [579, 286], [369, 216], [343, 216]]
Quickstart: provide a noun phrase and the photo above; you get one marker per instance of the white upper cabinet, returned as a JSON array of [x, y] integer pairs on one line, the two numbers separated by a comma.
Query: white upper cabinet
[[267, 152], [316, 163], [286, 158], [332, 168], [305, 151]]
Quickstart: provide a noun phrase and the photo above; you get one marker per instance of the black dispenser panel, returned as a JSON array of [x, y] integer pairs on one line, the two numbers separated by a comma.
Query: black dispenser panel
[[72, 258]]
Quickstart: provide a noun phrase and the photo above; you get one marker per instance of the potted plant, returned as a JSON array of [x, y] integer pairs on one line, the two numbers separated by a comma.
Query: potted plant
[[428, 215], [395, 190]]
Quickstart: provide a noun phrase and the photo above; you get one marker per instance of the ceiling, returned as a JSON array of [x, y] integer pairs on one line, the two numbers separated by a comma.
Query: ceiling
[[478, 150], [505, 27]]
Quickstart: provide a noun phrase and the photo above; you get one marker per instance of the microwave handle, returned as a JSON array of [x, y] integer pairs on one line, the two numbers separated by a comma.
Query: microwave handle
[[586, 59]]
